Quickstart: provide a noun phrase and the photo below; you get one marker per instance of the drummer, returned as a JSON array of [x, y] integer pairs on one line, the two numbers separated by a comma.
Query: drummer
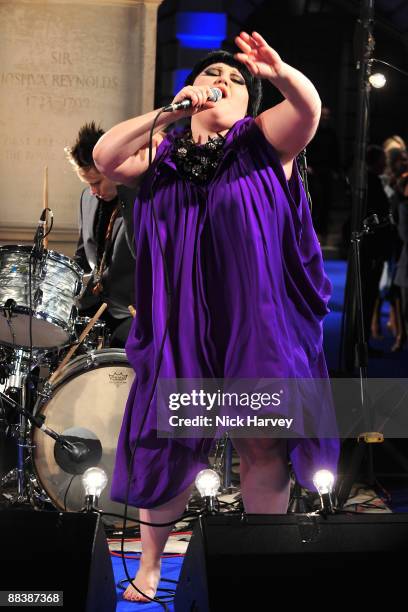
[[105, 245]]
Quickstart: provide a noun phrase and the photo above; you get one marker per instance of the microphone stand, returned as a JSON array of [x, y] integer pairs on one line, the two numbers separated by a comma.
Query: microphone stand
[[353, 301], [77, 451], [302, 162], [19, 372], [20, 369], [359, 182], [356, 354], [368, 437], [37, 251]]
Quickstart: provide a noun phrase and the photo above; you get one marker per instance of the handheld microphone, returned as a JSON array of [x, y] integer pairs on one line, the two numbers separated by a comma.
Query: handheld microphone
[[216, 94]]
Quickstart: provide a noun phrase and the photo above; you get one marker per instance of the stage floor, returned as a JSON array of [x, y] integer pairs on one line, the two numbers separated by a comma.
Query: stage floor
[[170, 570]]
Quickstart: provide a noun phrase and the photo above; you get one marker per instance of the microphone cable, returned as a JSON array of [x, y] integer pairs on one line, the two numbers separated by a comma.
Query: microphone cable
[[169, 296], [302, 162]]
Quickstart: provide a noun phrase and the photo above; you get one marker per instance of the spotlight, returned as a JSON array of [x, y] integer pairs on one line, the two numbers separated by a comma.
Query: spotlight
[[377, 80], [94, 481], [323, 480], [208, 482]]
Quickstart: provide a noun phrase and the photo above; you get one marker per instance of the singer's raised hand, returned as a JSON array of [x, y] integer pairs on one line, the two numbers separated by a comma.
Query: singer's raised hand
[[262, 61], [198, 94]]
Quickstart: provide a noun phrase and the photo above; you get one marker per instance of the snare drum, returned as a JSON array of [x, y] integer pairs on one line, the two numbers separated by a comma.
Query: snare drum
[[97, 337], [56, 280], [87, 402]]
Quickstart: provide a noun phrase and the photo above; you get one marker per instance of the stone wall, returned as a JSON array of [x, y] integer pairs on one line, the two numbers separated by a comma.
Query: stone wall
[[63, 63]]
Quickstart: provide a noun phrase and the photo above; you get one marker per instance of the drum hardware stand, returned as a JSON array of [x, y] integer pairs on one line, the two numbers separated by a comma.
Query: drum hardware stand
[[78, 451], [3, 419], [90, 359], [18, 379], [223, 463], [4, 367], [8, 308], [17, 385], [297, 503]]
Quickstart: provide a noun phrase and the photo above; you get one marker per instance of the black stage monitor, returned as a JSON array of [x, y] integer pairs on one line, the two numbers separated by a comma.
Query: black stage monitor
[[57, 551]]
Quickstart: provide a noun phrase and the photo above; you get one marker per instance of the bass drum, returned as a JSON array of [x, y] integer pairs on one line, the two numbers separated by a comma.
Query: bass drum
[[87, 403]]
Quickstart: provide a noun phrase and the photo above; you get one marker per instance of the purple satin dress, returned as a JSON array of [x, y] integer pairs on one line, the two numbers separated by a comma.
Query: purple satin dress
[[250, 294]]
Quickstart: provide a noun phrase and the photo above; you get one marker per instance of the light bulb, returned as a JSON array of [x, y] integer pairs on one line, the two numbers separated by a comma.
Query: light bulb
[[94, 480], [323, 480], [377, 80], [207, 482]]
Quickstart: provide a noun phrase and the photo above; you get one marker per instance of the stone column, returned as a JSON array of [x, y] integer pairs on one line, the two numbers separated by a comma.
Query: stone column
[[63, 63]]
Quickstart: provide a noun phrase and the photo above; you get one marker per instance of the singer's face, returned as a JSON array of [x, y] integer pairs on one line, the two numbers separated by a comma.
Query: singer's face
[[99, 185], [230, 81]]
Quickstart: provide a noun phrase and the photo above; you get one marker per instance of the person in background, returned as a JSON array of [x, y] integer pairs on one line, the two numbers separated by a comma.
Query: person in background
[[394, 142], [105, 244], [376, 247], [401, 276], [396, 164]]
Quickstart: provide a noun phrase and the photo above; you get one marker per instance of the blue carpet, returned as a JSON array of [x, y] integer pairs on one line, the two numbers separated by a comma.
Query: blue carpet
[[170, 569], [389, 365], [398, 498], [336, 271]]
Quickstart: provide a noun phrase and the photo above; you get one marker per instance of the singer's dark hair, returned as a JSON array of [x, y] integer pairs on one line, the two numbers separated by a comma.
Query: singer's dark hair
[[253, 84], [80, 154]]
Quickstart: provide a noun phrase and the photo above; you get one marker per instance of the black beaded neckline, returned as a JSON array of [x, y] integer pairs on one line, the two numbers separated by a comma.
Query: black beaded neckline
[[197, 162]]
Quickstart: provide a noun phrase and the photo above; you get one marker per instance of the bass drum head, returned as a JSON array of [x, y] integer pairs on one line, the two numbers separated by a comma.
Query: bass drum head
[[87, 402]]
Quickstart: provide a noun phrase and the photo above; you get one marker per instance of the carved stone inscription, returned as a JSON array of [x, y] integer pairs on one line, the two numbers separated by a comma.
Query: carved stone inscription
[[62, 64]]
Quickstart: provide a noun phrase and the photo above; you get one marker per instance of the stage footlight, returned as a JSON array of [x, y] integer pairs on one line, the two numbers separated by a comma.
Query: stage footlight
[[377, 80], [94, 481], [208, 483], [323, 480]]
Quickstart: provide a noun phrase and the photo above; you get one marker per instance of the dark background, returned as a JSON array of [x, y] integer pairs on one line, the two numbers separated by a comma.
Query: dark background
[[317, 37]]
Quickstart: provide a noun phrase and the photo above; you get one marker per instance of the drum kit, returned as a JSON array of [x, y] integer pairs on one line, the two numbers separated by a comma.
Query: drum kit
[[81, 397]]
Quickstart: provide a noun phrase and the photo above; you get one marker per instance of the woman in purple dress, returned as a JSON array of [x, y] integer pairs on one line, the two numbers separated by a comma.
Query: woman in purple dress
[[246, 273]]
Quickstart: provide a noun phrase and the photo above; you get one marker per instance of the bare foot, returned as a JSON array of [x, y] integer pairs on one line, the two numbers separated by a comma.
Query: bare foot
[[146, 579]]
